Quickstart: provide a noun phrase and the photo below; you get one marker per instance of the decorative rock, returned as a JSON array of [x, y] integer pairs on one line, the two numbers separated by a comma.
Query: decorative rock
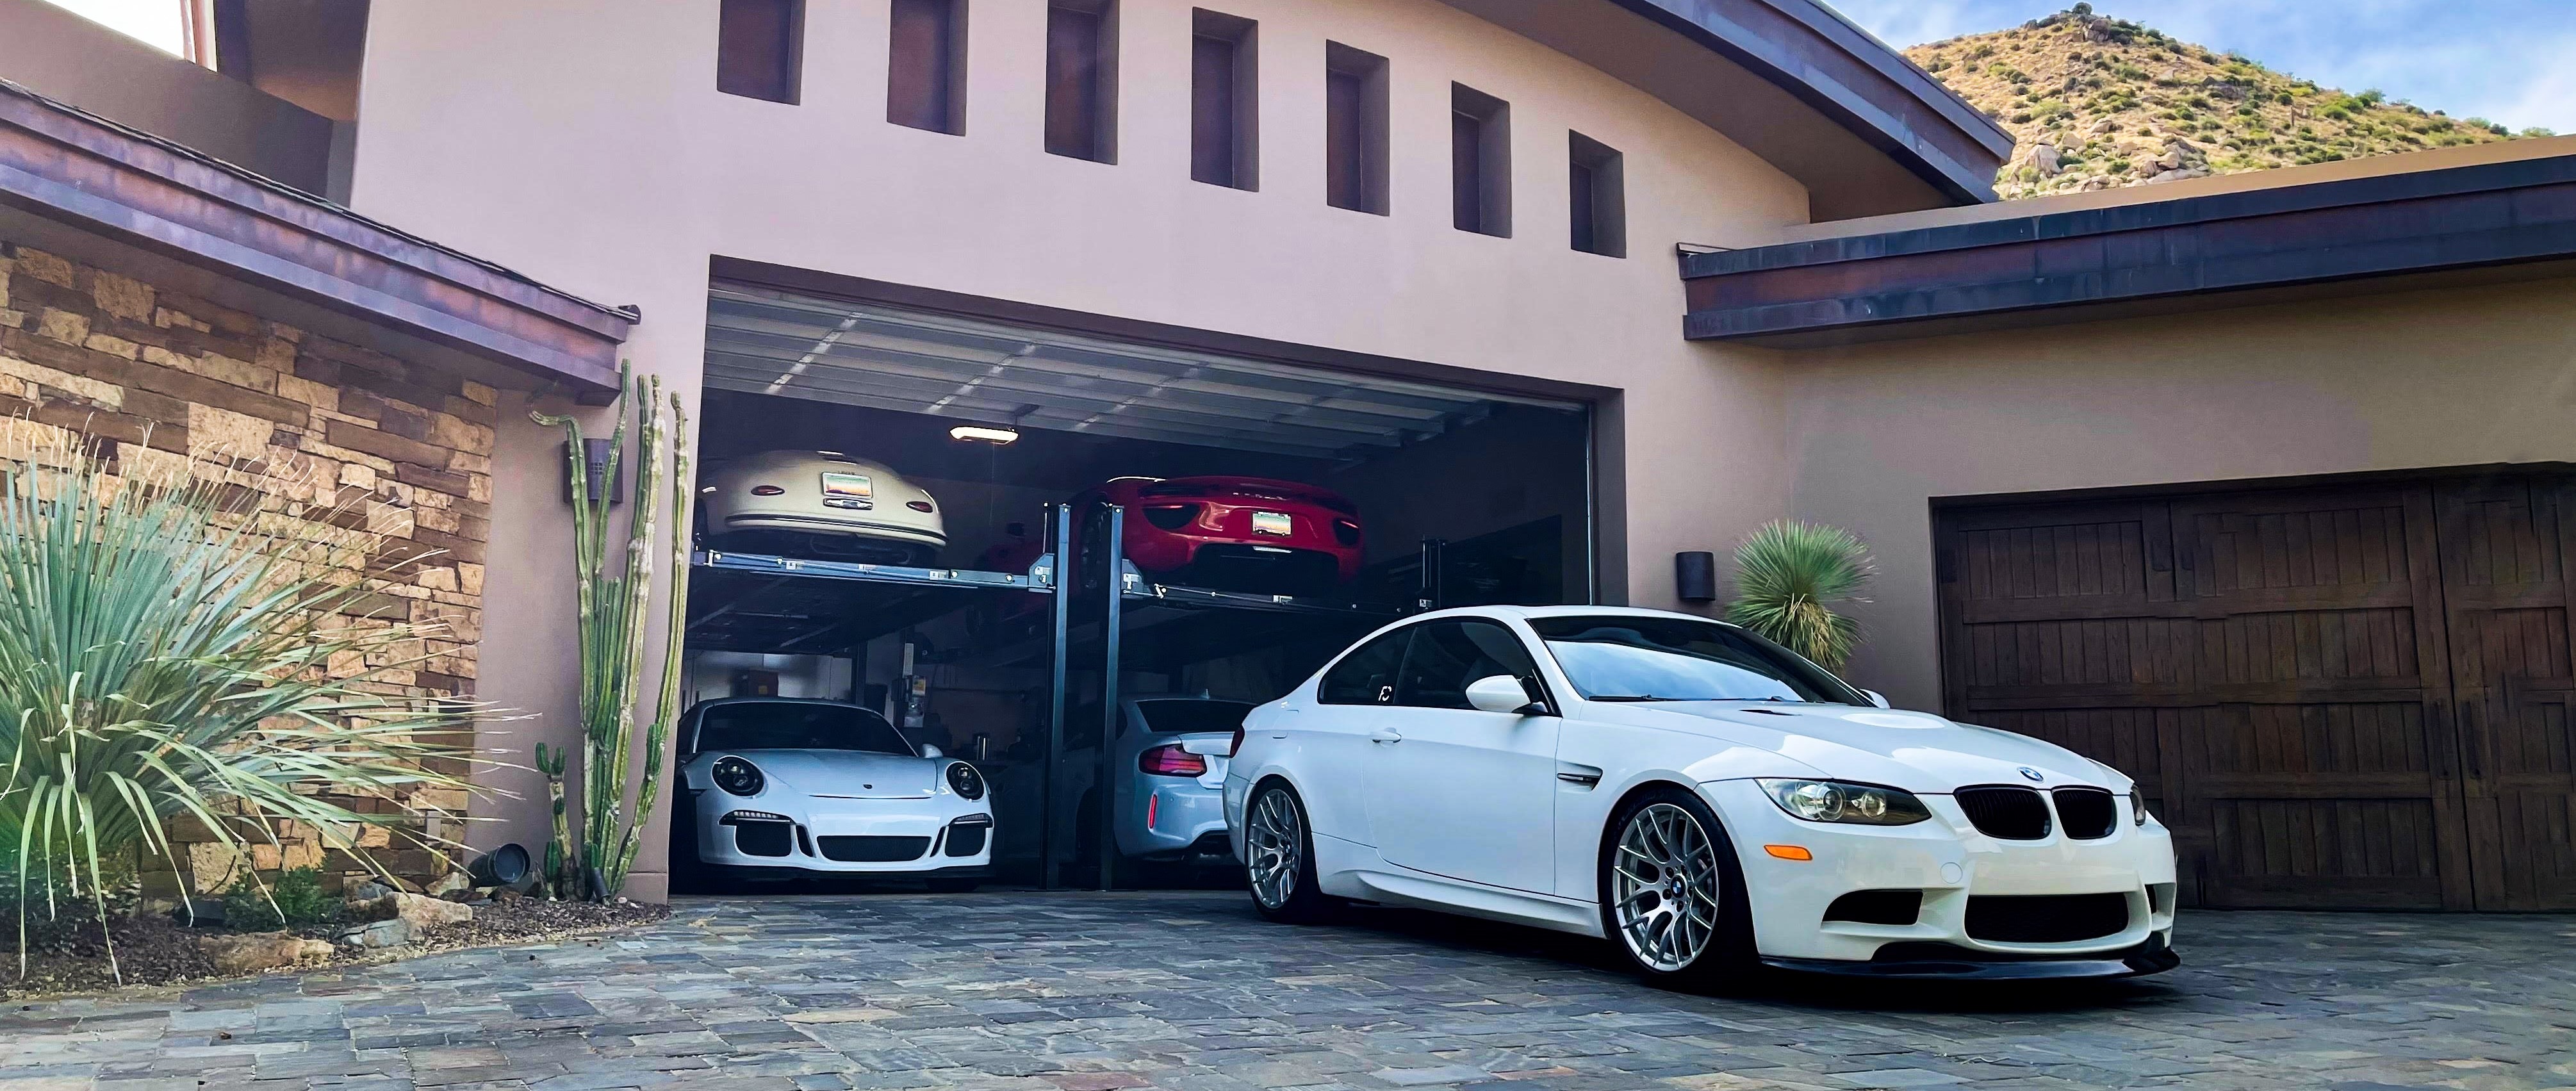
[[391, 932], [420, 911], [451, 883], [243, 954], [367, 891]]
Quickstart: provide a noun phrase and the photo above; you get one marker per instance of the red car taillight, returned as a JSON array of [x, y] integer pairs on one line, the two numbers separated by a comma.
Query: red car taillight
[[1346, 532], [1169, 760]]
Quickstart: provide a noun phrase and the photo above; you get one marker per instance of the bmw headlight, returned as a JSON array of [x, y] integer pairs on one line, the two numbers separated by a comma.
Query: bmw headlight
[[1835, 801], [737, 776], [965, 781], [2137, 807]]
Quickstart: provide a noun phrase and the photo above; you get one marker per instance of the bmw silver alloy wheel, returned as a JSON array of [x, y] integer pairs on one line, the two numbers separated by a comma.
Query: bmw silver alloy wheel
[[1273, 848], [1665, 886]]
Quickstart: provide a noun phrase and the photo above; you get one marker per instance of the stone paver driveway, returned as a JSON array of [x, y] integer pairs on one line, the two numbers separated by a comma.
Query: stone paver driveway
[[1087, 992]]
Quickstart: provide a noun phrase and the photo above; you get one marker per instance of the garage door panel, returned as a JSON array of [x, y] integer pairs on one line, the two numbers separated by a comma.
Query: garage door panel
[[2315, 853], [2503, 567], [2324, 746]]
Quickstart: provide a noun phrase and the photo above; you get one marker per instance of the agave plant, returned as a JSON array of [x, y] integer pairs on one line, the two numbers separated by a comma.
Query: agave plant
[[1790, 577], [170, 654]]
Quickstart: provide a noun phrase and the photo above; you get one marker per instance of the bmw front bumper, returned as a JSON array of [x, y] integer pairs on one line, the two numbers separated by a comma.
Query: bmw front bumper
[[1985, 908]]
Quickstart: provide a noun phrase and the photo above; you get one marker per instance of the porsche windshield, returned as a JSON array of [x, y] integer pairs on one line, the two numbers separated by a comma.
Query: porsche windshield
[[792, 725], [1614, 658]]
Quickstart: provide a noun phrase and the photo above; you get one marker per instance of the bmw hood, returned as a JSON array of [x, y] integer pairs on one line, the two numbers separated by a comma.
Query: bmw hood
[[1916, 751], [845, 774]]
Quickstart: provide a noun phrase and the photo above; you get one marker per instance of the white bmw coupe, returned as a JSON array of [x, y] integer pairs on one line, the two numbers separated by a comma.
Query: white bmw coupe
[[778, 787], [1700, 795]]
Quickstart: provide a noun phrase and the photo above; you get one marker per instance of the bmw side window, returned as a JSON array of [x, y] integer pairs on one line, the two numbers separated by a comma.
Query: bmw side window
[[1447, 655], [1366, 676]]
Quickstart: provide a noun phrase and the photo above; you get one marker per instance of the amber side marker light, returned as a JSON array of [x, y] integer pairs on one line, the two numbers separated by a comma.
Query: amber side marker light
[[1789, 852]]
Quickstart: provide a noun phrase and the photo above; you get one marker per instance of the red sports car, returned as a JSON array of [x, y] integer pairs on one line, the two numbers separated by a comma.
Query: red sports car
[[1237, 533], [1228, 533]]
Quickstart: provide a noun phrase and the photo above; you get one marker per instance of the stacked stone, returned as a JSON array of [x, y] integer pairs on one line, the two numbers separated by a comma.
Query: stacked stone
[[148, 374]]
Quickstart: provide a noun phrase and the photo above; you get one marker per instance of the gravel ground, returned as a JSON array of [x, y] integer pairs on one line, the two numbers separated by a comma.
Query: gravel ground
[[66, 955]]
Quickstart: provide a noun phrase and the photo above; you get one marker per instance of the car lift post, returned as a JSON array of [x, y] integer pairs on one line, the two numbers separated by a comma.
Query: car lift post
[[1104, 783], [1060, 536]]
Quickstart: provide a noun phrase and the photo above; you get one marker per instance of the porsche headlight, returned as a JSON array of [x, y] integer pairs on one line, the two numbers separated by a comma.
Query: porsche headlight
[[965, 781], [737, 776], [1835, 801]]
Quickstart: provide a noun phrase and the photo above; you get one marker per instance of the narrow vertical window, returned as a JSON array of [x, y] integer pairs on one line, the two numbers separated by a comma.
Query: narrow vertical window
[[1480, 161], [1225, 108], [926, 65], [1082, 79], [1598, 194], [1355, 171], [757, 47]]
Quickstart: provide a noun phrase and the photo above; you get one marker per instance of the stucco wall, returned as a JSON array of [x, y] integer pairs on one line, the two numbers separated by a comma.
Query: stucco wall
[[2448, 377], [584, 143]]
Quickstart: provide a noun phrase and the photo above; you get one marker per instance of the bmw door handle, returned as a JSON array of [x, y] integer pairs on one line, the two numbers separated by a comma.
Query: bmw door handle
[[1385, 734]]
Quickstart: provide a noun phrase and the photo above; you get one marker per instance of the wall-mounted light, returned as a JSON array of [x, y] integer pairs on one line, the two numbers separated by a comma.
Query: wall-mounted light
[[977, 433]]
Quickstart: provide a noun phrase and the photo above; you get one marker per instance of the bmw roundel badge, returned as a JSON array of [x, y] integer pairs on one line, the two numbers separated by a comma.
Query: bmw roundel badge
[[2032, 774]]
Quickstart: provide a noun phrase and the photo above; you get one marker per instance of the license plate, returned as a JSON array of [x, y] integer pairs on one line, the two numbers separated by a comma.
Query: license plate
[[1270, 522], [853, 492]]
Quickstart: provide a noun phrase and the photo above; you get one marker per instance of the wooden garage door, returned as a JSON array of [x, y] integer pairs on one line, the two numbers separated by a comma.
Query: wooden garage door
[[2354, 696]]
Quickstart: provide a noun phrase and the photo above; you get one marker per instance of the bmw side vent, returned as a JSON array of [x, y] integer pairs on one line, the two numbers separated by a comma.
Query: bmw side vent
[[2087, 814], [1897, 907], [2005, 812]]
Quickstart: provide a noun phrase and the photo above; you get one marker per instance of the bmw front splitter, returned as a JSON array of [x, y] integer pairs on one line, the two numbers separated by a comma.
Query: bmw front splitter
[[1962, 964]]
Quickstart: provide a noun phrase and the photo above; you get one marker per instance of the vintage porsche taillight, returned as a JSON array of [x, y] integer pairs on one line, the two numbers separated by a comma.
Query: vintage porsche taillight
[[766, 490], [1346, 532], [922, 506], [1172, 516], [1169, 760]]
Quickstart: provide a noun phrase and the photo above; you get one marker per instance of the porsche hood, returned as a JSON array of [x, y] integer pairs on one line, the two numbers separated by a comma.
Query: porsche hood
[[845, 774]]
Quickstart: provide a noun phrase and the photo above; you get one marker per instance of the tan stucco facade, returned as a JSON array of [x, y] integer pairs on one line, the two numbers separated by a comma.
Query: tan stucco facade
[[2444, 377], [585, 144]]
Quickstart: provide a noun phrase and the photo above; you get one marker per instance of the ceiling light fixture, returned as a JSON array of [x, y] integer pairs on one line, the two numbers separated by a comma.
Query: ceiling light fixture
[[977, 433]]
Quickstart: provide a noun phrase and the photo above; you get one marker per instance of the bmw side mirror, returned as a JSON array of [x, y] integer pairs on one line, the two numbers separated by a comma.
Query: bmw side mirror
[[929, 751], [1501, 693], [1876, 698]]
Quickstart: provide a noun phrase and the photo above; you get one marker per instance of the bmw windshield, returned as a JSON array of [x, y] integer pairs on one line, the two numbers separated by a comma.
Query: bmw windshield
[[1616, 658]]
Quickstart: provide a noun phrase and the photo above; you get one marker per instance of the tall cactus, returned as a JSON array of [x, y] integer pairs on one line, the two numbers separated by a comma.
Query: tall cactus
[[614, 614]]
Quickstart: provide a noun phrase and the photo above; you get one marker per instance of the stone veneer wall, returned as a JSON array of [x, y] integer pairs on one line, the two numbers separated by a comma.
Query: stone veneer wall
[[88, 351]]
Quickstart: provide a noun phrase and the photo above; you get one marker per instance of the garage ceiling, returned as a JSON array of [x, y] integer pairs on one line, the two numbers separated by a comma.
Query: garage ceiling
[[767, 342]]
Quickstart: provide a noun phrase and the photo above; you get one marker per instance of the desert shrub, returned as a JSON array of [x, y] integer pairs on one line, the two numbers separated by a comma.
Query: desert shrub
[[172, 651], [294, 899], [1789, 578]]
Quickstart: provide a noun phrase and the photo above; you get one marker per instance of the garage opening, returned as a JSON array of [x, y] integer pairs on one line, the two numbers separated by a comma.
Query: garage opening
[[1069, 563]]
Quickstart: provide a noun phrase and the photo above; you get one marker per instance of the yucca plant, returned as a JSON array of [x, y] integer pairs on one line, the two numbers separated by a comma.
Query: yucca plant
[[1789, 579], [167, 655]]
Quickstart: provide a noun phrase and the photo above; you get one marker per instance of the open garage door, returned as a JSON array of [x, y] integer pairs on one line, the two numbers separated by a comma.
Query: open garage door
[[2351, 695], [1224, 525]]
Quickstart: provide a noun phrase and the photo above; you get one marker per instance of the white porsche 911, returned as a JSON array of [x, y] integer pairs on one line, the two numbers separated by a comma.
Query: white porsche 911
[[780, 787], [1700, 795]]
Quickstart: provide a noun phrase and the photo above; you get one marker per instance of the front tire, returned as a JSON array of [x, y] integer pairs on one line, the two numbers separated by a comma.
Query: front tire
[[1672, 893], [1279, 858]]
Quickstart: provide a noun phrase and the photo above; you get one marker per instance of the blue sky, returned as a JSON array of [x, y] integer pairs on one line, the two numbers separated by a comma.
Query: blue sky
[[2511, 61]]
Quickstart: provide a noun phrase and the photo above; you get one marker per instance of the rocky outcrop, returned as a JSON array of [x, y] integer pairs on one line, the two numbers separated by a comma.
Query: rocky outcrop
[[420, 911]]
